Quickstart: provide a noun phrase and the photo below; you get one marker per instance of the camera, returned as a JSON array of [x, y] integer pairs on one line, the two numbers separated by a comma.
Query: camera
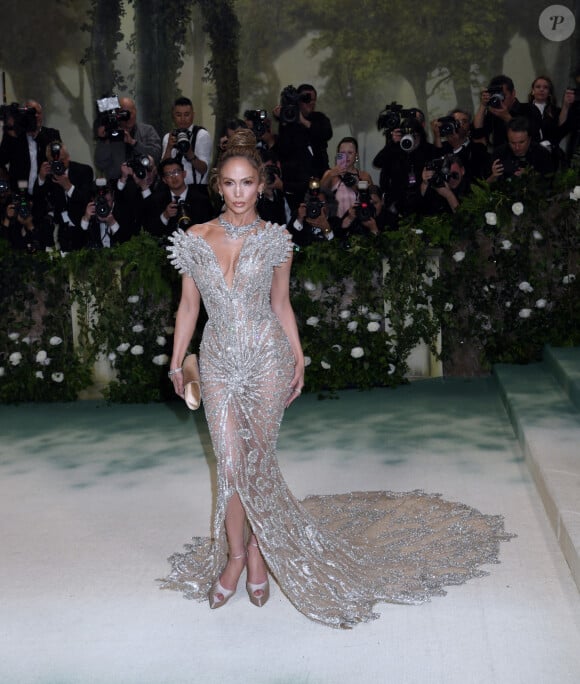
[[511, 165], [407, 141], [140, 164], [364, 208], [392, 117], [349, 179], [57, 167], [102, 208], [17, 118], [259, 119], [110, 115], [182, 216], [4, 186], [22, 205], [272, 172], [496, 97], [447, 126], [441, 168], [182, 139], [313, 204], [290, 100]]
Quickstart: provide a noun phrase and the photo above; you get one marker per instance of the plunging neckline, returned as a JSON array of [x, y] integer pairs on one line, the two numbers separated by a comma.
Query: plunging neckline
[[229, 288]]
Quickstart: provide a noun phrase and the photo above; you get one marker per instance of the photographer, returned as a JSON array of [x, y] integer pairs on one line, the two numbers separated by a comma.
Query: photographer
[[497, 107], [24, 141], [120, 137], [272, 205], [314, 219], [452, 135], [444, 183], [61, 191], [104, 222], [189, 143], [303, 137], [17, 222], [258, 121], [520, 155], [175, 204]]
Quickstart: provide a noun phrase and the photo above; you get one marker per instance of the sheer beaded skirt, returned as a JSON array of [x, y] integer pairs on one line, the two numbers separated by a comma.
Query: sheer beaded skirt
[[333, 556]]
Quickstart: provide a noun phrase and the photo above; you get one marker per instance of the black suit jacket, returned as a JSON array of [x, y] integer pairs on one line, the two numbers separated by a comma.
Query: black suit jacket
[[15, 154], [197, 207]]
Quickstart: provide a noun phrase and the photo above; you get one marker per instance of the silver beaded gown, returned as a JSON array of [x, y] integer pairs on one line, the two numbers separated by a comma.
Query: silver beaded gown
[[333, 556]]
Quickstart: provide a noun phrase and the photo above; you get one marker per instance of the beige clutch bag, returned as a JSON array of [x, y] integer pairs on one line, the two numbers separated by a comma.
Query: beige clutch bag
[[191, 382]]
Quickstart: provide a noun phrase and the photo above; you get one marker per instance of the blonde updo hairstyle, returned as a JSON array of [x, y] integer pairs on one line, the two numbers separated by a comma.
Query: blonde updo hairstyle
[[241, 145]]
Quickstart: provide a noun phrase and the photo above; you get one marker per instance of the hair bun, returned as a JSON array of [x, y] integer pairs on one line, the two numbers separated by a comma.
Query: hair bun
[[242, 137]]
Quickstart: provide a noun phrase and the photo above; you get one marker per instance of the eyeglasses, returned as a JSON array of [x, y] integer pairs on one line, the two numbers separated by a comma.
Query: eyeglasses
[[175, 172]]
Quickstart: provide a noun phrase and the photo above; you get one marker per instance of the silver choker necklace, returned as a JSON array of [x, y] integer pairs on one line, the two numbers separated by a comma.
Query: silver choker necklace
[[235, 232]]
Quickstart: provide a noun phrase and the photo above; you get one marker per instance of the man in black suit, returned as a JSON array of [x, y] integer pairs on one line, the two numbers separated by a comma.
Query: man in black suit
[[23, 146], [60, 195], [176, 204]]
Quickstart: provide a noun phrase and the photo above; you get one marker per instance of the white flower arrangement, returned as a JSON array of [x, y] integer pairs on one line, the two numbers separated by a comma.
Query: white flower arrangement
[[352, 326], [491, 218], [112, 356], [517, 208], [357, 352], [161, 360], [459, 256], [123, 347], [137, 350], [57, 377], [15, 358], [161, 341], [55, 341], [313, 321], [137, 328], [525, 313], [133, 299], [41, 356], [373, 326], [525, 286]]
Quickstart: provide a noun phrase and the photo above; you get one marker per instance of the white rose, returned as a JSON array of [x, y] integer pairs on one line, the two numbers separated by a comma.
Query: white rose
[[325, 365], [133, 299], [137, 350], [418, 231], [39, 375], [112, 356], [309, 286], [537, 235], [518, 208], [161, 341], [506, 244], [541, 304], [138, 328], [567, 279], [2, 371], [26, 340], [161, 360], [576, 191], [573, 197], [525, 286], [357, 352], [46, 362], [352, 326], [337, 347], [313, 321], [15, 358], [373, 326], [448, 307], [55, 341], [459, 256], [374, 316], [123, 347], [491, 218], [307, 361], [508, 305], [41, 356], [363, 310], [57, 377], [524, 313], [344, 314], [13, 336], [391, 369]]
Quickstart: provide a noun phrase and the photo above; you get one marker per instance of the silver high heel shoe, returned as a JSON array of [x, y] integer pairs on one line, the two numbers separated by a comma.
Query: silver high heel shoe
[[217, 590], [258, 593]]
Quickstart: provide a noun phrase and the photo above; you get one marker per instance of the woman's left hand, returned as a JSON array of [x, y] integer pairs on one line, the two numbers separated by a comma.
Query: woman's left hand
[[296, 385]]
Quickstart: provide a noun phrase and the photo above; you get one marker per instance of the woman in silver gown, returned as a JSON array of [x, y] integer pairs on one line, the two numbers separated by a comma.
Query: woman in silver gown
[[336, 556]]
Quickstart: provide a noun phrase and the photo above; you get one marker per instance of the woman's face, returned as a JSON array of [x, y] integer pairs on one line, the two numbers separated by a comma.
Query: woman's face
[[350, 150], [239, 183], [541, 90]]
